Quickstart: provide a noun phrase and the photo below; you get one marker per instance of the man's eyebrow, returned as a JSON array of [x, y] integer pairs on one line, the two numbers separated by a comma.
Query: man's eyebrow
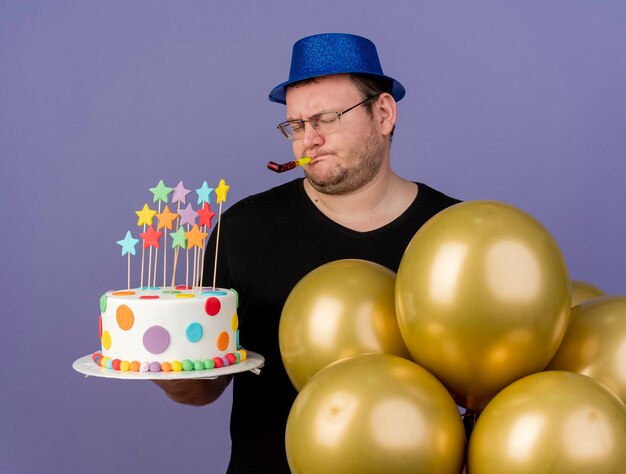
[[289, 119]]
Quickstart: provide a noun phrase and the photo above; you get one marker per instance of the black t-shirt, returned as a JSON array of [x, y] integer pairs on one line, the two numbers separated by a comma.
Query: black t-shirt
[[268, 243]]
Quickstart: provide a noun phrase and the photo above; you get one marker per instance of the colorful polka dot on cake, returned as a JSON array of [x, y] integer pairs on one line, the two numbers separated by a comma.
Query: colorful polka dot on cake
[[222, 341], [234, 323], [106, 340], [212, 306], [103, 303], [194, 332], [214, 293], [156, 339], [124, 317]]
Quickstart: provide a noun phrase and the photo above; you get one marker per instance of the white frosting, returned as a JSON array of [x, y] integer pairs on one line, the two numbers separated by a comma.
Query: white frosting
[[174, 314]]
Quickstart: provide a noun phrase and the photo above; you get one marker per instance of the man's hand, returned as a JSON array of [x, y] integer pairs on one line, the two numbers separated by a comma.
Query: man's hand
[[195, 391]]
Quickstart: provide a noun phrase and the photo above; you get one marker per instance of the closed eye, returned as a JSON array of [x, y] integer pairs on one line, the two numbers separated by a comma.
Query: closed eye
[[324, 118]]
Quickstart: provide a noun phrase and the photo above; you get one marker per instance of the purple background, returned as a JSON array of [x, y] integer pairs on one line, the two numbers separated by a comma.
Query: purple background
[[523, 102]]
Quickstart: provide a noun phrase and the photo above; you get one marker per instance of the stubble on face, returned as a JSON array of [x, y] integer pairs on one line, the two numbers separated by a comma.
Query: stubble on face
[[346, 179]]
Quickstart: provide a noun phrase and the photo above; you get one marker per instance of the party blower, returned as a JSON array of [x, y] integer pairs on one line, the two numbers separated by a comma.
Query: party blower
[[281, 168]]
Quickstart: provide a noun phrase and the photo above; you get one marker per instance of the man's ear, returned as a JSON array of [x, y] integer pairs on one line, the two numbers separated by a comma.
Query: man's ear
[[385, 112]]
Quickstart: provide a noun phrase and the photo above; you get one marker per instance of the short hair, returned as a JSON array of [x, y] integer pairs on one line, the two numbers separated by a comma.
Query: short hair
[[372, 86]]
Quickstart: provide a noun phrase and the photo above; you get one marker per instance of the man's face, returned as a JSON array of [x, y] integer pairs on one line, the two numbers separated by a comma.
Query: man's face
[[352, 154]]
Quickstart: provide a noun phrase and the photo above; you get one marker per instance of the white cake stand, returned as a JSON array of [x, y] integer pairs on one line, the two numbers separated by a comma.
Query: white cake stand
[[85, 365]]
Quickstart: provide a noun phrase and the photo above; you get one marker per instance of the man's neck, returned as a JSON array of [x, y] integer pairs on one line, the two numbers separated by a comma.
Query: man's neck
[[370, 207]]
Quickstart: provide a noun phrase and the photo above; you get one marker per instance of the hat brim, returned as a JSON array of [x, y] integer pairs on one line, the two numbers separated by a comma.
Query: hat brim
[[278, 93]]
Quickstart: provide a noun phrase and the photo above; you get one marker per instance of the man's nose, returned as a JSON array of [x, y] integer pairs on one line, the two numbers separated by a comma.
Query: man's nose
[[311, 137]]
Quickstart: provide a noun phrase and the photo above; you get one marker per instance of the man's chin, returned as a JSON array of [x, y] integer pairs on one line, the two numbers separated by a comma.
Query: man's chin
[[326, 186]]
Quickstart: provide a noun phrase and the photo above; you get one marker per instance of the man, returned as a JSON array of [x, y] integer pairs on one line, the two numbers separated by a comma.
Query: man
[[341, 113]]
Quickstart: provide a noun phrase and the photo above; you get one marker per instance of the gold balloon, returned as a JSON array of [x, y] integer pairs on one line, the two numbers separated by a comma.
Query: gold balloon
[[483, 298], [551, 422], [583, 291], [338, 310], [374, 413], [595, 343]]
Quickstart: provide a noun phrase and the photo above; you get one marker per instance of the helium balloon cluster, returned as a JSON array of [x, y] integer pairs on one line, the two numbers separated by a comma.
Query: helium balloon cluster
[[481, 314]]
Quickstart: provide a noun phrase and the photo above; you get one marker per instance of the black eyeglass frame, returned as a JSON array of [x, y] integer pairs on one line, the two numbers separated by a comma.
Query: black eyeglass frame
[[314, 120]]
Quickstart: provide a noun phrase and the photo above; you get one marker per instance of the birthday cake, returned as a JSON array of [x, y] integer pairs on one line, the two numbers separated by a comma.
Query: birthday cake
[[170, 327], [160, 329]]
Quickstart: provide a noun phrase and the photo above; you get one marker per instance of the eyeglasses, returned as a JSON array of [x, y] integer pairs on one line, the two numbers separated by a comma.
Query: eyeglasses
[[321, 123]]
